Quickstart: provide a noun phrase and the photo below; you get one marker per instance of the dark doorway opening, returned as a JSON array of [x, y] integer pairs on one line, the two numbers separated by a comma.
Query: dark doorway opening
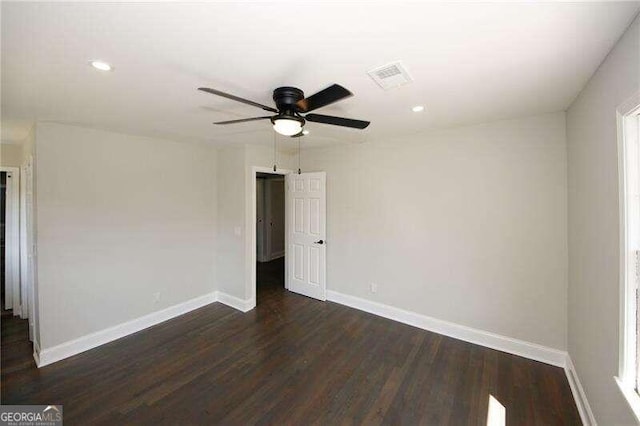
[[270, 230], [270, 277]]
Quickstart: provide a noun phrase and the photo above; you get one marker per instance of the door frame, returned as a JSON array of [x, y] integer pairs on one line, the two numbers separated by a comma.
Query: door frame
[[27, 245], [252, 234], [12, 240], [25, 301]]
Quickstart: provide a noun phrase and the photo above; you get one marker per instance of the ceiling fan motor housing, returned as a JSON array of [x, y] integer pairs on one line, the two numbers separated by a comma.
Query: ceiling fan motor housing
[[286, 98]]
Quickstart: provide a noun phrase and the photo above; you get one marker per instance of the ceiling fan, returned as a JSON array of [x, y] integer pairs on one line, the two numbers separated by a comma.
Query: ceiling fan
[[291, 103]]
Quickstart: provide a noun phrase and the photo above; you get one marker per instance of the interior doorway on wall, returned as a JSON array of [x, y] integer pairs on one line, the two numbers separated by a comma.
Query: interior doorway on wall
[[304, 235], [270, 234]]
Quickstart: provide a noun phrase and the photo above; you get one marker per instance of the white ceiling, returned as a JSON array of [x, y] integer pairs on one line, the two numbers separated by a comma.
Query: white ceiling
[[471, 63]]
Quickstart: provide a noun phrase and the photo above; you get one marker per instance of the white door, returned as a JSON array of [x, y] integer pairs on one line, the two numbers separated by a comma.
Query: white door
[[306, 234]]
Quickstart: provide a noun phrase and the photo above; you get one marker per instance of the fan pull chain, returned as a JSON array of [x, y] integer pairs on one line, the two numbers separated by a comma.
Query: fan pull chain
[[275, 155], [299, 171]]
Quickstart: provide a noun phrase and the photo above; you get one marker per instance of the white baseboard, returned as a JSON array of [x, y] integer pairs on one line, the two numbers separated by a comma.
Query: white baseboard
[[480, 337], [36, 353], [586, 415], [56, 353], [472, 335], [243, 305]]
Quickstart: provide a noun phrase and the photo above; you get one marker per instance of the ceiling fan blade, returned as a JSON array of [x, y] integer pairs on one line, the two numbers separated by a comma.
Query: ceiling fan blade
[[337, 121], [331, 94], [242, 120], [235, 98]]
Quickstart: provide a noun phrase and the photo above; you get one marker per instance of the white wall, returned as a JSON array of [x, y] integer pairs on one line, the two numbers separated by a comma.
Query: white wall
[[119, 218], [28, 146], [594, 259], [10, 155], [466, 225], [231, 204]]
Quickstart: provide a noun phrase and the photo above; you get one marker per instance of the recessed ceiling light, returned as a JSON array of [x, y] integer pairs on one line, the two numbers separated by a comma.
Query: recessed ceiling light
[[305, 132], [101, 65], [417, 108]]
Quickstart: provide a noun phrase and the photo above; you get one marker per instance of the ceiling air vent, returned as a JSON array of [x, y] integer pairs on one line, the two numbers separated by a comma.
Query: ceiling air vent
[[391, 75]]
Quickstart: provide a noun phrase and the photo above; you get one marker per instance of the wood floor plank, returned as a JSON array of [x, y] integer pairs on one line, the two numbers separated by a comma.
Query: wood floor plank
[[292, 360]]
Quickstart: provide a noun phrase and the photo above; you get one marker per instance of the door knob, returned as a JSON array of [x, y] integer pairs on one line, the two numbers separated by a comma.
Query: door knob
[[319, 242]]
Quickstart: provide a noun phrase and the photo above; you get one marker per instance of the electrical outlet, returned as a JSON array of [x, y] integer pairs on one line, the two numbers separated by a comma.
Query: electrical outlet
[[156, 297], [373, 287], [237, 230]]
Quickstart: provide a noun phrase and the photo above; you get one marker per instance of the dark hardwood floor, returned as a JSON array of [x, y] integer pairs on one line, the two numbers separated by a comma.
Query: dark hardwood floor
[[292, 360]]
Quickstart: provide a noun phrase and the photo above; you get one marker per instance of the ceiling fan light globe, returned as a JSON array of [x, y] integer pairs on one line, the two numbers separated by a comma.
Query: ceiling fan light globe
[[287, 127]]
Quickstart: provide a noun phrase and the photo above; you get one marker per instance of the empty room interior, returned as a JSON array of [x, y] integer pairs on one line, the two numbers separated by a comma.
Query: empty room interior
[[320, 212]]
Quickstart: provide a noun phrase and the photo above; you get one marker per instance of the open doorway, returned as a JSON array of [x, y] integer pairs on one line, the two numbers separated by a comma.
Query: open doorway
[[304, 228], [270, 235]]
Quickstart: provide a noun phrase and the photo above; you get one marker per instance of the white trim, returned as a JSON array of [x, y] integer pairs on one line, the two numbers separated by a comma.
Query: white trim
[[251, 250], [36, 353], [27, 271], [235, 302], [12, 240], [480, 337], [622, 211], [628, 181], [24, 290], [584, 409], [631, 396], [90, 341]]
